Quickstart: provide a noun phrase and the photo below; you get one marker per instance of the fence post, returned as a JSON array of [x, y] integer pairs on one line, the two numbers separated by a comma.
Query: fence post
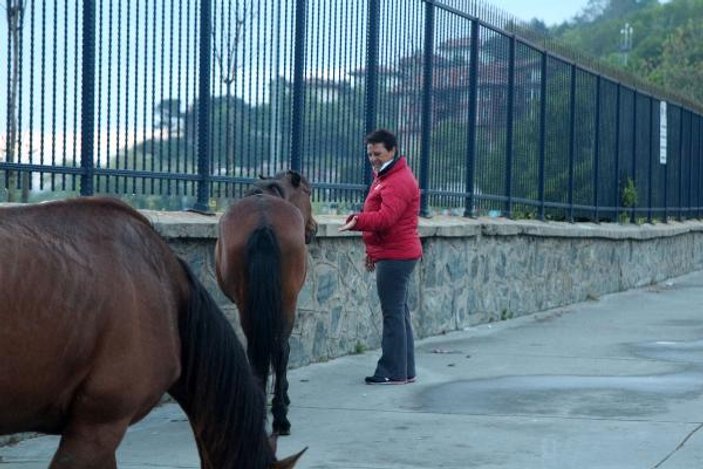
[[666, 167], [650, 193], [542, 134], [425, 133], [690, 168], [471, 137], [509, 129], [596, 149], [298, 111], [680, 217], [634, 151], [203, 124], [572, 140], [371, 76], [88, 98], [700, 165], [618, 100]]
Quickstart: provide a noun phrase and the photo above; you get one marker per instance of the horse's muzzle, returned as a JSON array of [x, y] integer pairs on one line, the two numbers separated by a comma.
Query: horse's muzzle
[[310, 233]]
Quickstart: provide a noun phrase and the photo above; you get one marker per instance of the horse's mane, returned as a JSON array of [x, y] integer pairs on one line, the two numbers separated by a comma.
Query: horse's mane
[[274, 185], [216, 389]]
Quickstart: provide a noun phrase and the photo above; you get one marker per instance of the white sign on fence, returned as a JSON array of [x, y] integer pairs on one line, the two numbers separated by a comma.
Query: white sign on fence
[[662, 132]]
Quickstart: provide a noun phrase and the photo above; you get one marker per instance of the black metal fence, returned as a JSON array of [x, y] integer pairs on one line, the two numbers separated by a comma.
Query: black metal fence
[[175, 104]]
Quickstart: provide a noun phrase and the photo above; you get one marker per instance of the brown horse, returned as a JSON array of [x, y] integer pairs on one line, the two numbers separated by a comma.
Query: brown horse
[[99, 319], [260, 261]]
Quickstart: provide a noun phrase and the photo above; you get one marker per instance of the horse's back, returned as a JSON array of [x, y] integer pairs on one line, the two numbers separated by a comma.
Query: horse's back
[[90, 297], [253, 211], [236, 227]]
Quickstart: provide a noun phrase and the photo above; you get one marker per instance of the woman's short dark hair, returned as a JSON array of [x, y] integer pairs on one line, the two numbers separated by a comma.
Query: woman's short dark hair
[[384, 136]]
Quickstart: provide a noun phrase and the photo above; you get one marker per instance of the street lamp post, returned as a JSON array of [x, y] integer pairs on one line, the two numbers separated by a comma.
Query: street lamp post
[[626, 41]]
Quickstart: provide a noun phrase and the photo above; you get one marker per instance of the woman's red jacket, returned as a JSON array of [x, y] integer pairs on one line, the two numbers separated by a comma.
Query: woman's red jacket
[[390, 215]]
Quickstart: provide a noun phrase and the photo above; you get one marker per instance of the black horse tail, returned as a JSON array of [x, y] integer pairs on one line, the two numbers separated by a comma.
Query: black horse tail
[[264, 304], [216, 389]]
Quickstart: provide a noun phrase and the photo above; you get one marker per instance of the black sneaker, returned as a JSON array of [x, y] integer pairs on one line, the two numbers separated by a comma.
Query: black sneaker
[[412, 379], [383, 380]]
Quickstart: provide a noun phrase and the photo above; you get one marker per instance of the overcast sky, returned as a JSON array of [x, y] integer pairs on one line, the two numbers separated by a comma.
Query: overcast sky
[[550, 11]]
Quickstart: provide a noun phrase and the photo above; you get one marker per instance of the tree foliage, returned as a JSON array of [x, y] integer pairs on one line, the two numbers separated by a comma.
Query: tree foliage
[[680, 66], [666, 46]]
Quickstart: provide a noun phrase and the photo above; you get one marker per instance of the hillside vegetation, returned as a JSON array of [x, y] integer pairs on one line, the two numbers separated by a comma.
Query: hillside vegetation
[[665, 46]]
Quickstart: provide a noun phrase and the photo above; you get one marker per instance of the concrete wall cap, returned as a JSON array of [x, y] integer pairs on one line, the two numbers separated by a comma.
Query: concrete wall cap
[[194, 225]]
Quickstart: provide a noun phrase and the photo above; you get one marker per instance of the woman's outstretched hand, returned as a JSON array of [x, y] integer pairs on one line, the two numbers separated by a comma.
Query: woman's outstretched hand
[[348, 225], [369, 264]]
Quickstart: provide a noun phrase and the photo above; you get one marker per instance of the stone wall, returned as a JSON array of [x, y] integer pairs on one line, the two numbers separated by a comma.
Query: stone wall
[[473, 272]]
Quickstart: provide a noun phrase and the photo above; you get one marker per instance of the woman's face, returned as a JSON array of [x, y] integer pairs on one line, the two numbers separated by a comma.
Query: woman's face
[[378, 154]]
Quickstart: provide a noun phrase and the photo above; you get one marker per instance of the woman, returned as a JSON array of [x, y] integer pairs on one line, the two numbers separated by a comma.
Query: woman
[[389, 225]]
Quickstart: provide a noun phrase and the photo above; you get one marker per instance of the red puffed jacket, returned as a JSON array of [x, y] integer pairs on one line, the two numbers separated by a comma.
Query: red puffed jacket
[[389, 218]]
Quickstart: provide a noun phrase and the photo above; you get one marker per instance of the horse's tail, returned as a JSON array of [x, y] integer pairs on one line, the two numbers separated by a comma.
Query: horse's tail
[[216, 389], [264, 305]]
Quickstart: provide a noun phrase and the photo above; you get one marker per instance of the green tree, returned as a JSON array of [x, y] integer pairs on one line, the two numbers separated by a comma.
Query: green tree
[[665, 41], [681, 64]]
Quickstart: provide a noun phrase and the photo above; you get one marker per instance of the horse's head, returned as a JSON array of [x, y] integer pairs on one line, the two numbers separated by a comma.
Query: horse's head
[[295, 188]]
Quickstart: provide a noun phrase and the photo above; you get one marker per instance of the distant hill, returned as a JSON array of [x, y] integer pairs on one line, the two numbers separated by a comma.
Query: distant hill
[[665, 45]]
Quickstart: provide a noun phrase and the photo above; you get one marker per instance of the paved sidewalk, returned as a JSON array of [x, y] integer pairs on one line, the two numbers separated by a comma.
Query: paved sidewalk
[[615, 383]]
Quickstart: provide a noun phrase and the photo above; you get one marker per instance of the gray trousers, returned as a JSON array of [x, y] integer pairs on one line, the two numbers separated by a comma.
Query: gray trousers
[[398, 347]]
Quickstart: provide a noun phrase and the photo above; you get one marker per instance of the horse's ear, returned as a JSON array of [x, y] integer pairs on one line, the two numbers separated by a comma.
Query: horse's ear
[[294, 178], [289, 462], [261, 176]]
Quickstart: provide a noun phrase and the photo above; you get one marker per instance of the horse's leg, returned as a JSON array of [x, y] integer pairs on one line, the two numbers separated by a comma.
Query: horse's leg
[[89, 445], [279, 406]]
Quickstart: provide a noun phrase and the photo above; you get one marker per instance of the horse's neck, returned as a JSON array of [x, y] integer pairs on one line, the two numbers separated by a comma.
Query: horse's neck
[[216, 389]]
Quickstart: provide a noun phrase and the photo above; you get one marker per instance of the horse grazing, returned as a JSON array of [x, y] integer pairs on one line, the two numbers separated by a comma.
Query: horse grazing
[[99, 319], [260, 261]]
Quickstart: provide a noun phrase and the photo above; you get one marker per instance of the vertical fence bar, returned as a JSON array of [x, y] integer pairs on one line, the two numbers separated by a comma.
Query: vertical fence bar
[[203, 125], [690, 168], [634, 152], [700, 166], [650, 194], [297, 113], [88, 98], [618, 101], [471, 137], [680, 211], [425, 133], [572, 140], [509, 129], [372, 44], [596, 149], [697, 157], [542, 134], [669, 161]]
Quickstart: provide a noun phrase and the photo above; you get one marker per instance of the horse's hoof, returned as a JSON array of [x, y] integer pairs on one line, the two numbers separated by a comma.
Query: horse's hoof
[[282, 431]]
